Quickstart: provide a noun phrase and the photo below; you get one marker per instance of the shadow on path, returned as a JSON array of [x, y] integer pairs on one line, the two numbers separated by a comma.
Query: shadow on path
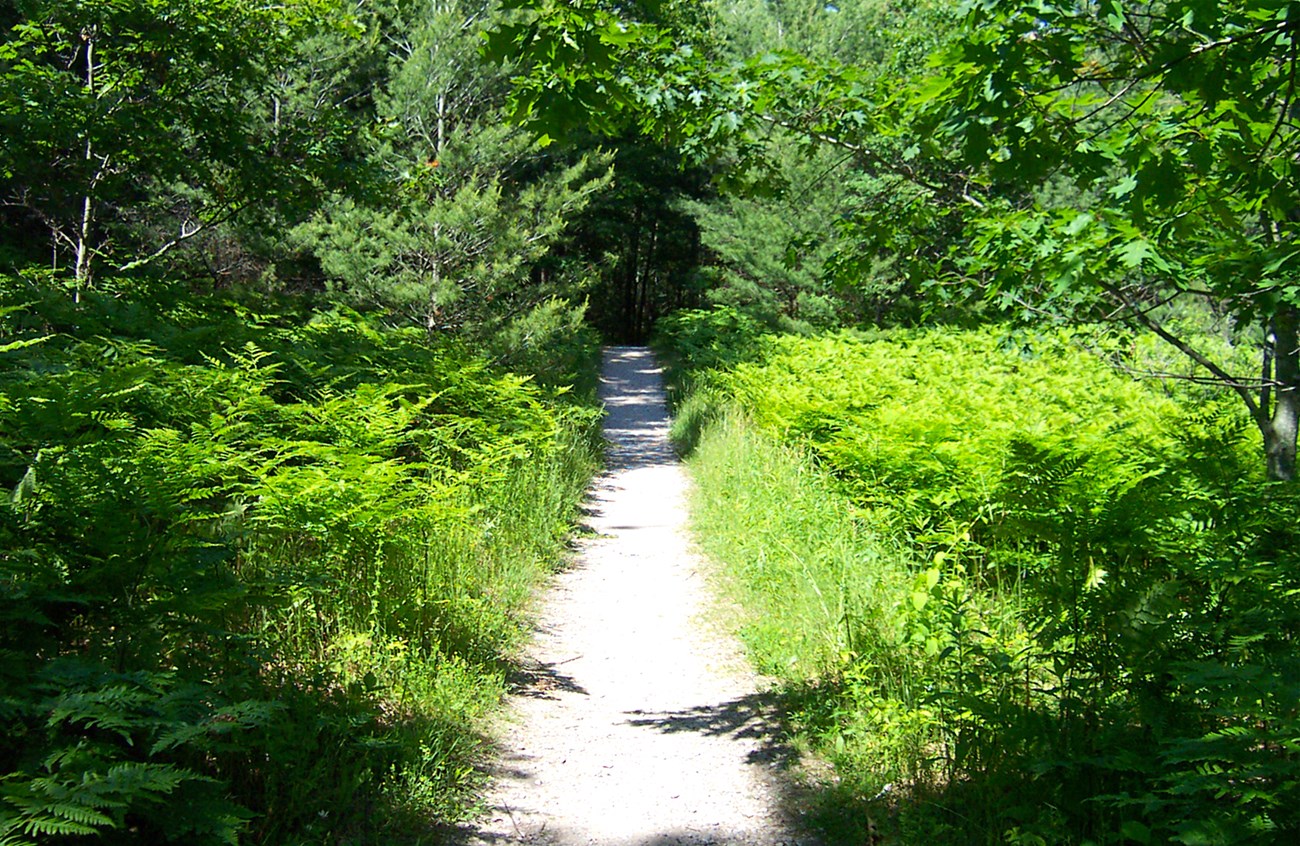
[[636, 419], [636, 427], [755, 717], [540, 680]]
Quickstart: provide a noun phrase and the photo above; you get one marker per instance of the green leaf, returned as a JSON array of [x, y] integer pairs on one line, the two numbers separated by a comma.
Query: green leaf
[[1078, 223], [1135, 831], [1137, 252], [1123, 188]]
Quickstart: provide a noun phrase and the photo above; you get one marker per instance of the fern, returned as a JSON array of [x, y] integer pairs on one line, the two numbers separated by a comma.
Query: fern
[[212, 503], [1105, 593]]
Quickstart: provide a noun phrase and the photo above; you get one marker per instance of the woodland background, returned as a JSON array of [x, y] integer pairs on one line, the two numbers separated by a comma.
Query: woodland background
[[985, 314]]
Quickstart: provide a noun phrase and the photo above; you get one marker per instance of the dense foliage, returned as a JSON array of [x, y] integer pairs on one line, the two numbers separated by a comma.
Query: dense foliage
[[259, 566], [133, 128], [1048, 574], [275, 495], [287, 337], [1077, 161]]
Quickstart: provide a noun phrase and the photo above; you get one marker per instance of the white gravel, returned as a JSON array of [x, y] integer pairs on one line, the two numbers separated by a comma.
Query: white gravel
[[637, 722]]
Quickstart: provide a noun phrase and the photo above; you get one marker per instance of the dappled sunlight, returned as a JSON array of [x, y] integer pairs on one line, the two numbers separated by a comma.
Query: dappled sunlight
[[636, 416]]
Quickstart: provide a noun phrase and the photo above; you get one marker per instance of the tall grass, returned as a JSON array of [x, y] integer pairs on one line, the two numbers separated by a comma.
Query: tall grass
[[825, 604], [818, 585]]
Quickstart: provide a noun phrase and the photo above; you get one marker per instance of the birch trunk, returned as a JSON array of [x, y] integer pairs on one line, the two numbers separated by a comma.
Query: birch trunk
[[1280, 431], [81, 269]]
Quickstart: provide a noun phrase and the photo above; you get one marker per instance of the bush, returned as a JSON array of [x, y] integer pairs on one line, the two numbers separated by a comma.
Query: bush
[[695, 341], [553, 343], [260, 568], [1102, 595]]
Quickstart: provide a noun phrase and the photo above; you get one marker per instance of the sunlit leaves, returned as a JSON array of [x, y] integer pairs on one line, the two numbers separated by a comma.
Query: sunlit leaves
[[576, 61], [201, 506], [1082, 552]]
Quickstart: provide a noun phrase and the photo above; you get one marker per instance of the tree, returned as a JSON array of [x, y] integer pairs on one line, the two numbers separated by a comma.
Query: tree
[[471, 203], [1175, 125], [114, 111], [650, 242], [753, 114], [859, 32], [1169, 127], [768, 252], [793, 247]]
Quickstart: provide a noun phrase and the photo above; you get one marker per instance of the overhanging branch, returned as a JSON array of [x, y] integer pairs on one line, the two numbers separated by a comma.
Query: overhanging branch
[[189, 229], [1222, 376]]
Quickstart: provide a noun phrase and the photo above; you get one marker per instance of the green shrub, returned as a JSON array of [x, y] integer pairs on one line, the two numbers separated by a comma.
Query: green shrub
[[1102, 599], [553, 343], [692, 342], [259, 569], [920, 424]]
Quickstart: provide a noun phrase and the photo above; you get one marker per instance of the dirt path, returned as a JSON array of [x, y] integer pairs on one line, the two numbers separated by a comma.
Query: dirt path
[[638, 724]]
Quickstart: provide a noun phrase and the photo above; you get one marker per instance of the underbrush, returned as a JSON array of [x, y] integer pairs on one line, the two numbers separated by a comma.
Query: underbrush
[[259, 567], [1013, 596], [824, 602]]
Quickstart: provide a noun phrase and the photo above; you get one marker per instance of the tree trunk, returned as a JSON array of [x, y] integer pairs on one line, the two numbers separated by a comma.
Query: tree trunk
[[631, 269], [435, 289], [1278, 425], [650, 269], [432, 310], [81, 269], [441, 126], [1281, 428]]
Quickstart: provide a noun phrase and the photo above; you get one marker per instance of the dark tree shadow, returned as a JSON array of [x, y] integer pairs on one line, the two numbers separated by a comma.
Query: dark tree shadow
[[754, 717]]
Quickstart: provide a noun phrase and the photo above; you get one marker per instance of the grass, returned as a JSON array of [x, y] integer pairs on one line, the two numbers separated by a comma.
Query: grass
[[824, 600], [1010, 596]]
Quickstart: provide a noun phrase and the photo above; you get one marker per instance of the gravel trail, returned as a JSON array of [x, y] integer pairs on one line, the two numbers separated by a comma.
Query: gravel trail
[[636, 721]]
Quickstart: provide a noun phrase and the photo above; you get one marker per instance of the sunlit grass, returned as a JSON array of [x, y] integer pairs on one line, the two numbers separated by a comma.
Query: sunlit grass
[[1010, 595], [824, 602]]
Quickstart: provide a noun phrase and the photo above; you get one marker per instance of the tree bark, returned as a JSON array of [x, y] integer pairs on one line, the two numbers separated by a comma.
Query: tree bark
[[650, 270], [81, 271], [1281, 429], [631, 269], [1277, 426]]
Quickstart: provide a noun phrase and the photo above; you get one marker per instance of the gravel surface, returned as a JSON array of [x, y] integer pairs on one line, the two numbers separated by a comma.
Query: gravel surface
[[636, 722]]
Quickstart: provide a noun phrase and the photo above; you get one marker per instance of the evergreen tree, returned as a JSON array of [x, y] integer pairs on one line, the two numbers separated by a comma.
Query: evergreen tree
[[470, 204], [133, 127]]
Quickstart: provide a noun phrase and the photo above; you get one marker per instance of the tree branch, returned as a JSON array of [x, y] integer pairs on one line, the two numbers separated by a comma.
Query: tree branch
[[188, 230], [1247, 384], [875, 158], [1191, 352]]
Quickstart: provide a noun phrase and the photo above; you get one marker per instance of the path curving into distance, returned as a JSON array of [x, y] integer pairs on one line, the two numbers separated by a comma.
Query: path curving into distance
[[637, 722]]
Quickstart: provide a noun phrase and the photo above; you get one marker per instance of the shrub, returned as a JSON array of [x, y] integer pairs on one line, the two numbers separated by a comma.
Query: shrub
[[1103, 591], [259, 569]]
